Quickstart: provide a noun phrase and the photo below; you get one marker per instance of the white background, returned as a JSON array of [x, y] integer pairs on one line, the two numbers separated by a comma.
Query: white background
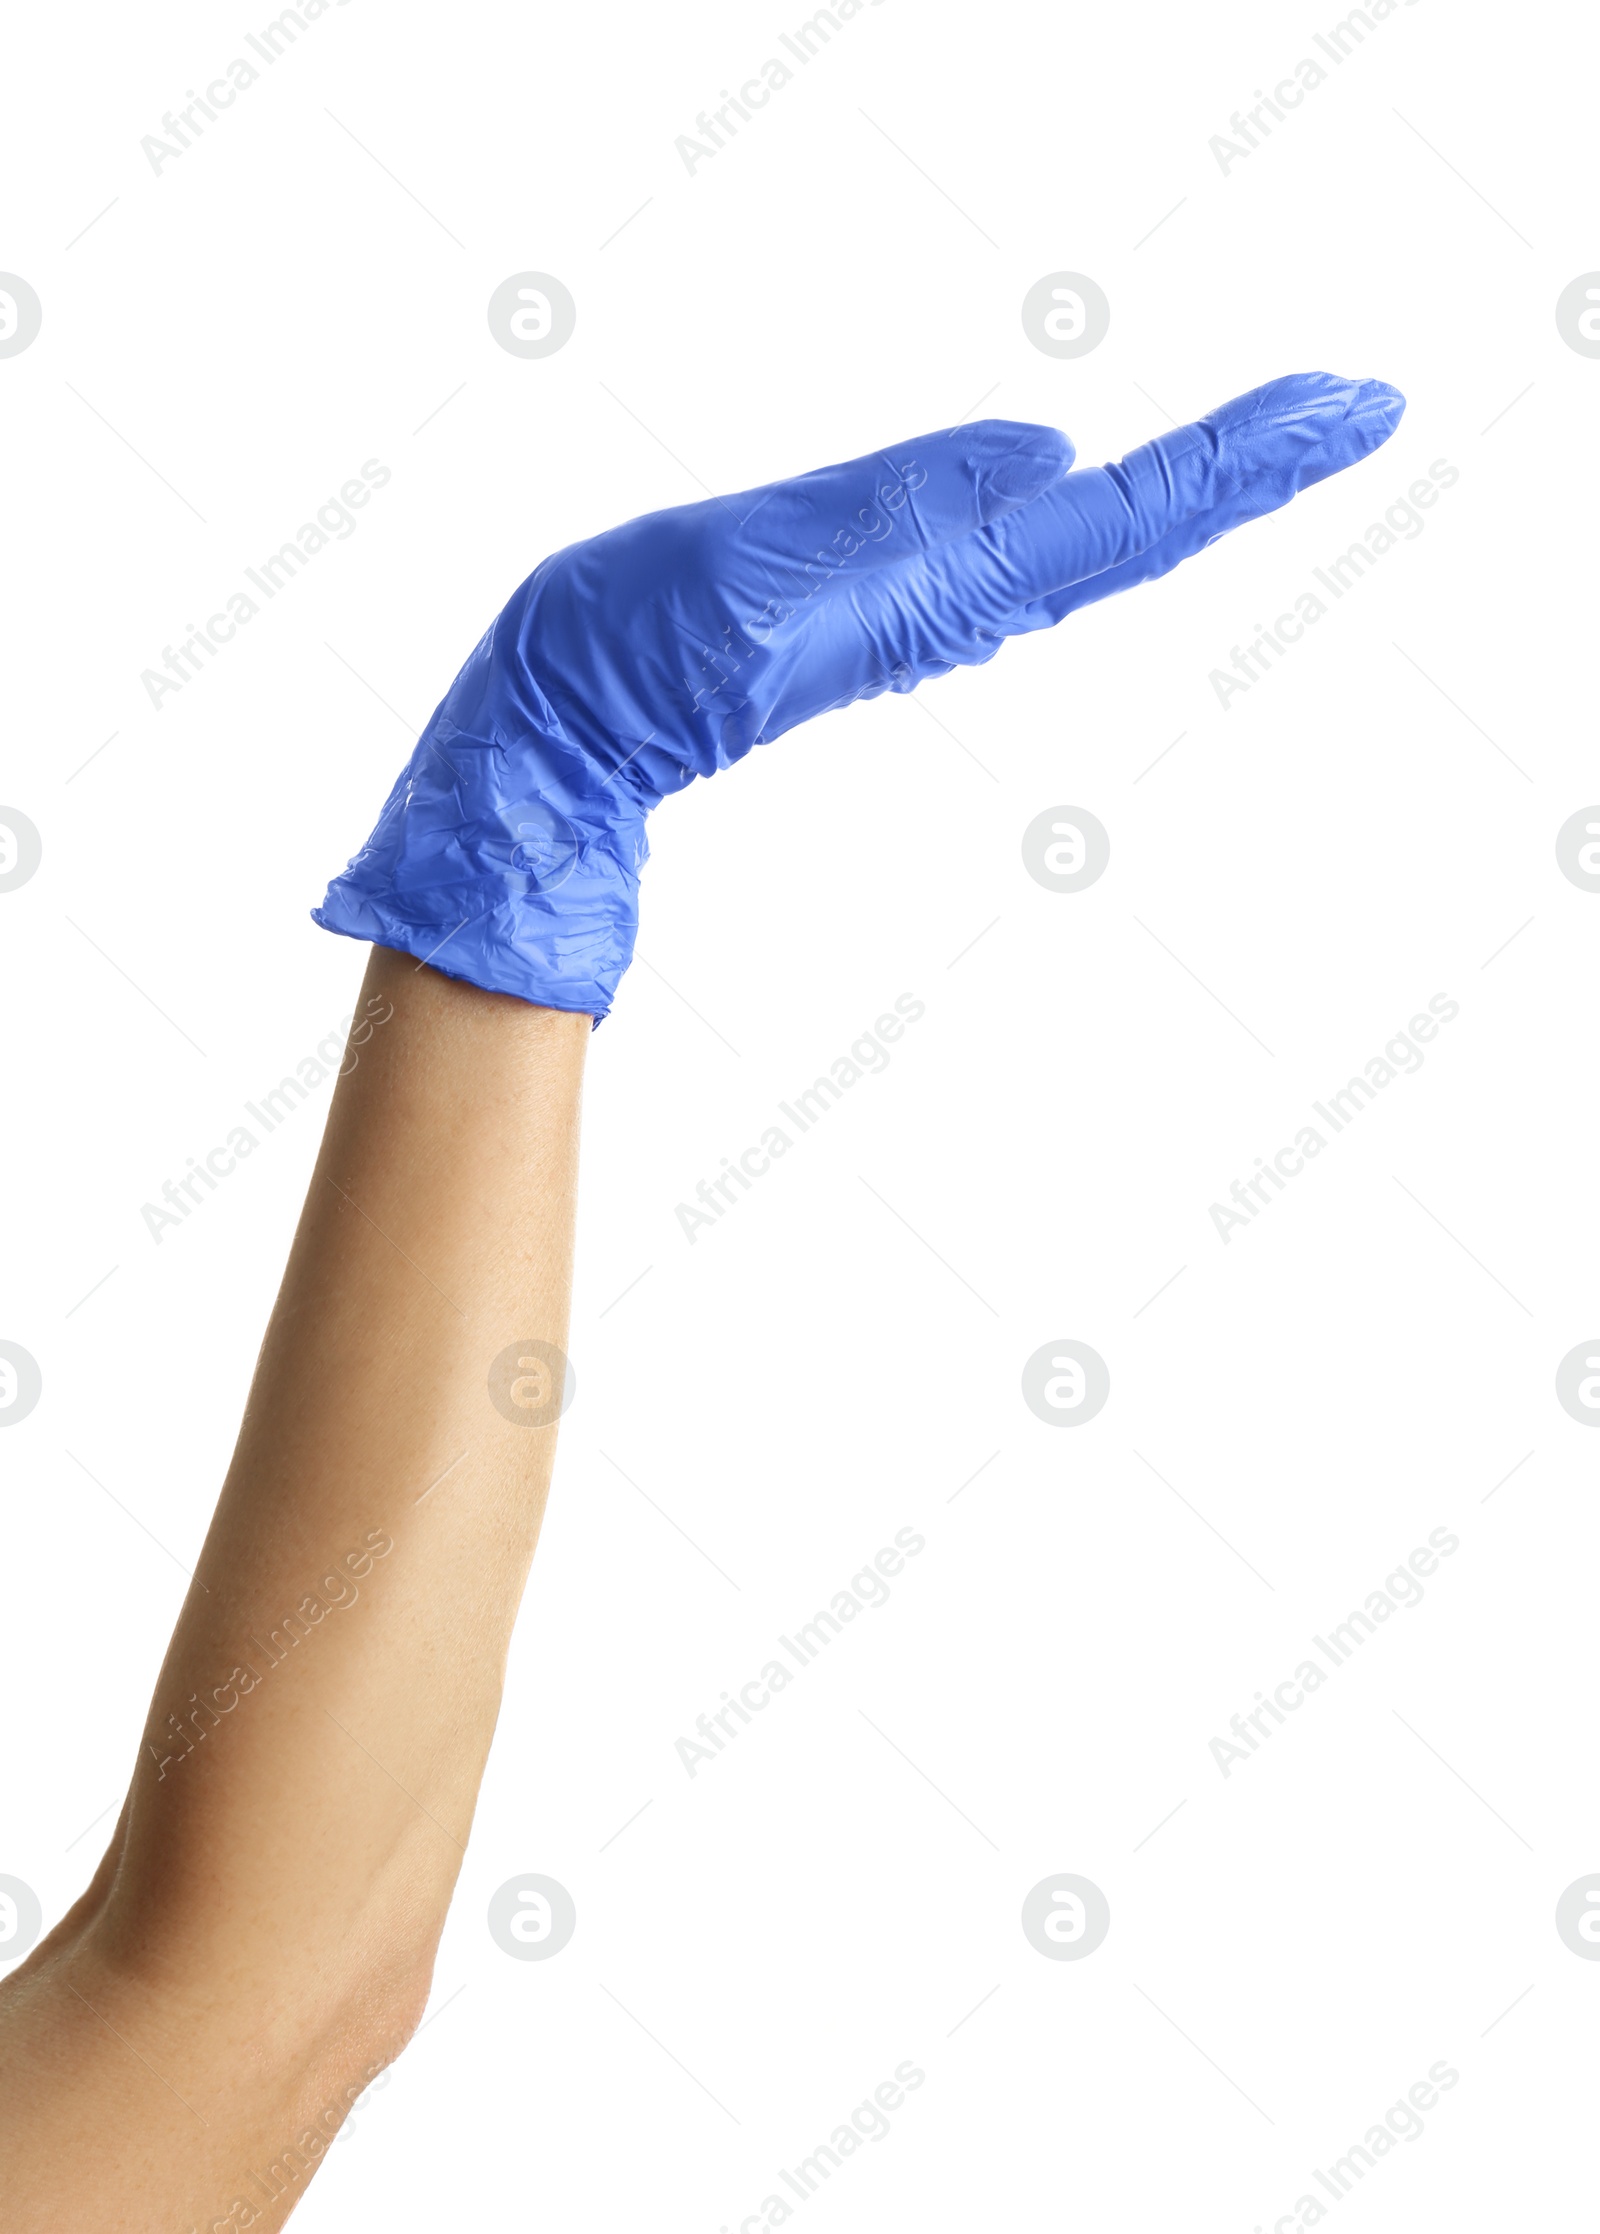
[[1367, 828]]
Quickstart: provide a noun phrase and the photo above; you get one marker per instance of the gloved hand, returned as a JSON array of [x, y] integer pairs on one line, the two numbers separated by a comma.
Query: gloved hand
[[509, 850]]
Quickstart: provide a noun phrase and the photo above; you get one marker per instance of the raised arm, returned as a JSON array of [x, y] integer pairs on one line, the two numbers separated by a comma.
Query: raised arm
[[258, 1941], [260, 1937]]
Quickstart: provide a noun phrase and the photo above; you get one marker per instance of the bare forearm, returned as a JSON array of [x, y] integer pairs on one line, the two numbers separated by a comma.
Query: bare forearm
[[358, 1587], [301, 1802]]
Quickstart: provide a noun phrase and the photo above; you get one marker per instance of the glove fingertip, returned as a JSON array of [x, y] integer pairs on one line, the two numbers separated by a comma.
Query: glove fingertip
[[1377, 411], [1013, 464]]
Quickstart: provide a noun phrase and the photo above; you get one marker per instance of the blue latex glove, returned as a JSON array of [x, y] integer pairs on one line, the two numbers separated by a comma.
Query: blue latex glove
[[509, 850]]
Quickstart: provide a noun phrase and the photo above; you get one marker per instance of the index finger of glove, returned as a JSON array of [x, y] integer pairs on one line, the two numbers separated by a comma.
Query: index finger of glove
[[1240, 461]]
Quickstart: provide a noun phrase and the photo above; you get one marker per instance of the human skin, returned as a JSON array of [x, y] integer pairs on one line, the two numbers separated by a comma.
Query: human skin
[[259, 1939]]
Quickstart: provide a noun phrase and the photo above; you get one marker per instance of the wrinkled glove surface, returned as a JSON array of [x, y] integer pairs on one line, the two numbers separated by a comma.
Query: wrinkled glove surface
[[509, 850]]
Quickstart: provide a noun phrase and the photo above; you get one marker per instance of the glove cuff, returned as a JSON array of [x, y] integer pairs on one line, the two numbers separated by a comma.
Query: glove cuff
[[536, 897]]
